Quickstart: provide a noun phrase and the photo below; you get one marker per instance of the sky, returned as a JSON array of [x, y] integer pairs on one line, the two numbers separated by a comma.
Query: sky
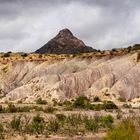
[[26, 25]]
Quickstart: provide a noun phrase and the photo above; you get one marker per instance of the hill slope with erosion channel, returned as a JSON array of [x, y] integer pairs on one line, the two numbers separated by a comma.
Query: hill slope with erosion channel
[[107, 77]]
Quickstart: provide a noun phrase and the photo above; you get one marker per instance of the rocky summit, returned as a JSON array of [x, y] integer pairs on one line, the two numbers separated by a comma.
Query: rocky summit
[[65, 43]]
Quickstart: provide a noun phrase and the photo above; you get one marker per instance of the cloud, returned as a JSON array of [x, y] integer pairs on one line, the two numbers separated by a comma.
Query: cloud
[[103, 24]]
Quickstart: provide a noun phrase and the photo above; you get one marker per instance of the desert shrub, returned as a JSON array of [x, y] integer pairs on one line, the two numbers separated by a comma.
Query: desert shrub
[[1, 108], [91, 125], [1, 128], [136, 47], [6, 54], [11, 108], [119, 115], [40, 56], [67, 103], [38, 124], [74, 119], [96, 99], [69, 107], [15, 123], [126, 130], [107, 121], [127, 105], [109, 105], [24, 54], [114, 50], [1, 131], [138, 56], [81, 102], [96, 107], [38, 108], [40, 101], [121, 99], [24, 109], [49, 109], [53, 125], [60, 117]]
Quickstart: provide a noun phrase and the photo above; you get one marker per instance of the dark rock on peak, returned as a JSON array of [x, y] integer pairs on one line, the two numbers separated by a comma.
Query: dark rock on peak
[[65, 43], [65, 33]]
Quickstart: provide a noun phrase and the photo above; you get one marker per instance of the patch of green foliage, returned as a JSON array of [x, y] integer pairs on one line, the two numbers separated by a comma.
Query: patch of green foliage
[[126, 130], [38, 124], [15, 123], [81, 102], [96, 99], [41, 101]]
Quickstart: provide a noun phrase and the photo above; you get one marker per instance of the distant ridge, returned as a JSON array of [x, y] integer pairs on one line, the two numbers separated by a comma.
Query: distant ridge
[[65, 43]]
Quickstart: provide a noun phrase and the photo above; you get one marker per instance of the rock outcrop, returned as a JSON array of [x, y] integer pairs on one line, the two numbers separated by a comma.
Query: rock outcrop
[[65, 43]]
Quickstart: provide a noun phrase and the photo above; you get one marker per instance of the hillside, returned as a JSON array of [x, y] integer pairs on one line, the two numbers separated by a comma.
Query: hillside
[[67, 77]]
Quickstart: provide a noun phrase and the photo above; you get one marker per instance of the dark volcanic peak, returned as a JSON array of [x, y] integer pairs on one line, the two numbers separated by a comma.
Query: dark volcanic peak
[[65, 43], [65, 33]]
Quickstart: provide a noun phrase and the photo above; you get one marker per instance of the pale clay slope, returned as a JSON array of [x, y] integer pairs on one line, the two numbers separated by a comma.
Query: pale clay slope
[[107, 78]]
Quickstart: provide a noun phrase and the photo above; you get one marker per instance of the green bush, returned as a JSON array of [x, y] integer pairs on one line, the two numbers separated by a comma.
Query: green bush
[[6, 54], [74, 119], [60, 117], [38, 108], [24, 109], [15, 123], [121, 99], [96, 99], [114, 50], [49, 109], [81, 102], [1, 128], [1, 131], [109, 105], [127, 106], [11, 108], [138, 56], [40, 101], [126, 130], [1, 108], [24, 54], [91, 125], [53, 125], [136, 47], [107, 121], [38, 124]]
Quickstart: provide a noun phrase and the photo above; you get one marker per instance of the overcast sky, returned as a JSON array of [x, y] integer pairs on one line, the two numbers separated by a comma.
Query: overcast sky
[[26, 25]]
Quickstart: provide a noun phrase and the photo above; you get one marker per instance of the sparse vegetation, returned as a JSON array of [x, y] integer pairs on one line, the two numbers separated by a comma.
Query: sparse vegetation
[[96, 99], [81, 102], [38, 124], [121, 99], [126, 130], [41, 101], [7, 54], [138, 56], [50, 109], [24, 54], [15, 123]]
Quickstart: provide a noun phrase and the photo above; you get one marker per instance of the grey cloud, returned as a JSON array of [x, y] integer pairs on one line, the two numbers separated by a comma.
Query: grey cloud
[[26, 25]]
